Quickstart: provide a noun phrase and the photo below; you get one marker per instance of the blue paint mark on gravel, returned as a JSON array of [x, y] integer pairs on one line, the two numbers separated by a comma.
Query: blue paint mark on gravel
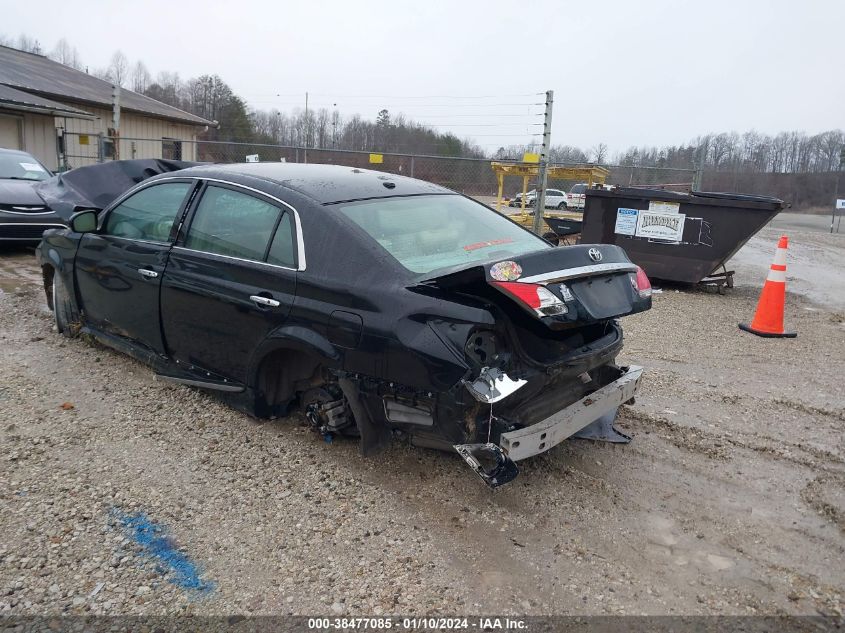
[[157, 545]]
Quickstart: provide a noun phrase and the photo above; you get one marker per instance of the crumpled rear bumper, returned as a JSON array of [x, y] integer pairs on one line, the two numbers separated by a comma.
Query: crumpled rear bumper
[[540, 437]]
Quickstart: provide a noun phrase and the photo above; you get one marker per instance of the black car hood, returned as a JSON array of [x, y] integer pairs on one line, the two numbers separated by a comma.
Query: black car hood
[[19, 192], [95, 186]]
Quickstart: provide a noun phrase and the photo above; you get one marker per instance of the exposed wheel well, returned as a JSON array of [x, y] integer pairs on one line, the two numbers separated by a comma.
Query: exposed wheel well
[[282, 375]]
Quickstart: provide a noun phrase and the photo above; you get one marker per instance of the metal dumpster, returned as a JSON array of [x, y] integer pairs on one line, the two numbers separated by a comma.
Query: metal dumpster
[[676, 236]]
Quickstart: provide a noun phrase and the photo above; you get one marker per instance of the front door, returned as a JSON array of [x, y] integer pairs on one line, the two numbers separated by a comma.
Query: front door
[[230, 281], [119, 268]]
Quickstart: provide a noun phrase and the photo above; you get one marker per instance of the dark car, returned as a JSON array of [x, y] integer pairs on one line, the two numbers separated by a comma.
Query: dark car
[[381, 305], [24, 216]]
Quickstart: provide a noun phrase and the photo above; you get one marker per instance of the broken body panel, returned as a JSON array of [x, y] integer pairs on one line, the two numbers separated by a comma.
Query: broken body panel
[[473, 352]]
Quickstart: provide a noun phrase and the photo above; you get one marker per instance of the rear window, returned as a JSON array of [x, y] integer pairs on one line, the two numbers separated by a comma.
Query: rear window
[[578, 189], [428, 233]]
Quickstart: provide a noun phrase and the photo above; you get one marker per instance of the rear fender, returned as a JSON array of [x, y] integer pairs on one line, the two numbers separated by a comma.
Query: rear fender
[[300, 352], [296, 338]]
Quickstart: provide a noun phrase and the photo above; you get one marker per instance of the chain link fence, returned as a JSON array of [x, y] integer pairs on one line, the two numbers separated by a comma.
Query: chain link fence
[[471, 176]]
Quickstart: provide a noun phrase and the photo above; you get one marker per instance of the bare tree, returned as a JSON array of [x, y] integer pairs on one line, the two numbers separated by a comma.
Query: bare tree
[[29, 44], [140, 77], [599, 153], [66, 54], [322, 127], [118, 70], [336, 123]]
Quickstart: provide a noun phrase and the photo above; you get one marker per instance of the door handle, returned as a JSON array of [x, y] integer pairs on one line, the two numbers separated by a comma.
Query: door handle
[[264, 301], [149, 274]]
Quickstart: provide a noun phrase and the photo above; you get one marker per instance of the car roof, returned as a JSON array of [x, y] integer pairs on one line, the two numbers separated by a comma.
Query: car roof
[[325, 184], [14, 152]]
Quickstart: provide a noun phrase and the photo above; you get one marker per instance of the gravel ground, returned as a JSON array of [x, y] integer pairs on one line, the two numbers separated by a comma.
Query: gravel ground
[[728, 501]]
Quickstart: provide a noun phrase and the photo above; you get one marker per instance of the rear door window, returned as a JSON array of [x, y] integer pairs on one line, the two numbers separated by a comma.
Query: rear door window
[[149, 214], [232, 223], [282, 249]]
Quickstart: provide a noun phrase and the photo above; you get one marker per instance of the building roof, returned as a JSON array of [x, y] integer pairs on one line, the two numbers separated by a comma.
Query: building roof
[[44, 77], [13, 99]]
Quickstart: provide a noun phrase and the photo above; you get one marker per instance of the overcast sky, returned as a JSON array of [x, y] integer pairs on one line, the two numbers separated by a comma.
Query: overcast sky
[[624, 72]]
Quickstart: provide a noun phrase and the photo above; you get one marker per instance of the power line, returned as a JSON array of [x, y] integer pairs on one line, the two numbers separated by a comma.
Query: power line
[[482, 124], [387, 106], [340, 96]]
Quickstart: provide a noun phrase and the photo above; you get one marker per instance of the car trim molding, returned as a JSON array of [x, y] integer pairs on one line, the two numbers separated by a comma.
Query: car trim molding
[[579, 271], [27, 213], [300, 243], [45, 225], [237, 259]]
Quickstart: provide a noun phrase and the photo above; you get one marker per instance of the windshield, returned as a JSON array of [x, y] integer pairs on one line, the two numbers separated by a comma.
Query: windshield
[[427, 233], [20, 166]]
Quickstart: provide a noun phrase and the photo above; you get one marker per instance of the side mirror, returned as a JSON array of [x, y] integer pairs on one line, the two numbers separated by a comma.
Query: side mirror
[[84, 222]]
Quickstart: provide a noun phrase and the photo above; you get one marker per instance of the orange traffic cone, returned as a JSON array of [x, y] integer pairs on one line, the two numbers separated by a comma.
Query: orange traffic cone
[[768, 320]]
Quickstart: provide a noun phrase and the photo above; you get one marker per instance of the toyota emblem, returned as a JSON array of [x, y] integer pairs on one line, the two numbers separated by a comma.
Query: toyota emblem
[[595, 254]]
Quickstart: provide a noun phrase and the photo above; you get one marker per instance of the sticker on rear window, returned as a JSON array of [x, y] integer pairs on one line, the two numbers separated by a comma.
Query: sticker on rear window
[[506, 271], [477, 245]]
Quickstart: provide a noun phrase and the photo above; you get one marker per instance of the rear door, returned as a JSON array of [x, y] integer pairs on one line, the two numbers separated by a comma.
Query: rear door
[[231, 279], [119, 268]]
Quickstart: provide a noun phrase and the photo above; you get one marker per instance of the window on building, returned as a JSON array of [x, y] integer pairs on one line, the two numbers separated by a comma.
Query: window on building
[[171, 148]]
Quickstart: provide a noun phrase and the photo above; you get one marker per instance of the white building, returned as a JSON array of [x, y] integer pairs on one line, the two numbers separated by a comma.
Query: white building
[[68, 118]]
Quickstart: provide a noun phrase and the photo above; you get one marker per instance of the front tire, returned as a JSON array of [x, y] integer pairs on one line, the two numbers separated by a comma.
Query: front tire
[[561, 206], [64, 311]]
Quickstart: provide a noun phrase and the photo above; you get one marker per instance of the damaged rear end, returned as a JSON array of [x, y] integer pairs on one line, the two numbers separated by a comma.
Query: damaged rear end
[[545, 369], [501, 346]]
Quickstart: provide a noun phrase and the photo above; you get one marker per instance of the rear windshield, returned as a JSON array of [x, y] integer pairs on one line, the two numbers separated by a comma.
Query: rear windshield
[[578, 189], [427, 233]]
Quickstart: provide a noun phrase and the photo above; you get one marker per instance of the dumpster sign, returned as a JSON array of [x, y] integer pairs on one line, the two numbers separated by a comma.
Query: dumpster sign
[[658, 206], [660, 226], [666, 225], [626, 221]]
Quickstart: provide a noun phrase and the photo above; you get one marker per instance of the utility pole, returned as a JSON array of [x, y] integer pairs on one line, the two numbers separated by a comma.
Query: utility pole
[[115, 121], [540, 199], [836, 190], [306, 128]]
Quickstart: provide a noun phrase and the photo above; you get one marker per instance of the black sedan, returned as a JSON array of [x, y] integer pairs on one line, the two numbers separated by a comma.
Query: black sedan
[[380, 305], [24, 215]]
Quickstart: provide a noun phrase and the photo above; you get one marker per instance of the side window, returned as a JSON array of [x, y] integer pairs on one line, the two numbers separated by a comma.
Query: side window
[[148, 214], [232, 223], [281, 250]]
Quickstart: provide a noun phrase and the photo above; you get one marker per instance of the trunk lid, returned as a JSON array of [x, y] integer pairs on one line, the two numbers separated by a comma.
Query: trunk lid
[[561, 287]]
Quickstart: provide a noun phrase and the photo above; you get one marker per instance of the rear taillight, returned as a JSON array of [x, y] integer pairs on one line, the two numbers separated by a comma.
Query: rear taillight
[[640, 283], [534, 296]]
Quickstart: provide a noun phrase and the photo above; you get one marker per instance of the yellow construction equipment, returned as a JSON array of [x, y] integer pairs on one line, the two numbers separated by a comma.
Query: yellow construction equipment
[[591, 175]]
